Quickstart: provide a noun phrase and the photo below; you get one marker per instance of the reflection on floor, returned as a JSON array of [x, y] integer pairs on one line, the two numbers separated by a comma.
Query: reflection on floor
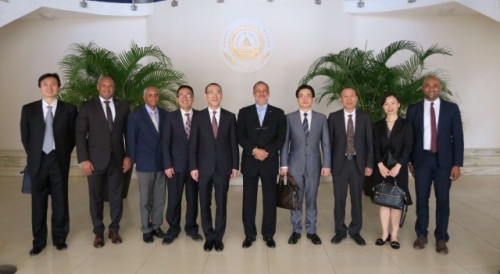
[[474, 245]]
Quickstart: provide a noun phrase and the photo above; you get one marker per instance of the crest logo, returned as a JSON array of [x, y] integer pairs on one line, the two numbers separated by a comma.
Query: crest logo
[[246, 46]]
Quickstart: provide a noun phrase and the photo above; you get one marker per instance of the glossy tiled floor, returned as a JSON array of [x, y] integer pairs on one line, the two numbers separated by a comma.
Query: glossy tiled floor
[[474, 245]]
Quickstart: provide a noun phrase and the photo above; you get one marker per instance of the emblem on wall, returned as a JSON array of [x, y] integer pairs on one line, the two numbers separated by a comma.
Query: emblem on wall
[[246, 45]]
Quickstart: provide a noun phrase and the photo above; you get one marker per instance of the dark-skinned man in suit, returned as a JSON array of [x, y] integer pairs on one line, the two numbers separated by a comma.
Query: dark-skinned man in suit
[[438, 153], [143, 145], [48, 137], [213, 161], [351, 139], [100, 146], [261, 133], [175, 151]]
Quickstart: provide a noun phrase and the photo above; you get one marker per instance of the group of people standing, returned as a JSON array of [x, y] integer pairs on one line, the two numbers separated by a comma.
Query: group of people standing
[[197, 151]]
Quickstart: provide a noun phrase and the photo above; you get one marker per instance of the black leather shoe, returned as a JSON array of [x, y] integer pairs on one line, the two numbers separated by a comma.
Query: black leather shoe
[[61, 246], [314, 238], [208, 245], [147, 237], [36, 250], [395, 245], [248, 242], [358, 239], [196, 237], [168, 239], [270, 242], [381, 241], [338, 238], [158, 233], [294, 238], [219, 246]]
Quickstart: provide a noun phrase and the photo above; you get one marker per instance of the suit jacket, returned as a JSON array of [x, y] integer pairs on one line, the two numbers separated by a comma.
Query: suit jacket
[[400, 142], [174, 141], [450, 139], [363, 140], [33, 130], [94, 140], [208, 154], [270, 137], [300, 153], [143, 141]]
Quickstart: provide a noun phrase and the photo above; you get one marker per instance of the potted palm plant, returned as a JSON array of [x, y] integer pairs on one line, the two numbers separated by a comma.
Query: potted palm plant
[[132, 71], [372, 76]]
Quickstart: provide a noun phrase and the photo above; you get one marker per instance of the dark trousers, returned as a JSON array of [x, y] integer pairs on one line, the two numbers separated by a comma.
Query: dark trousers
[[427, 172], [113, 175], [250, 187], [351, 178], [49, 181], [176, 185], [219, 183]]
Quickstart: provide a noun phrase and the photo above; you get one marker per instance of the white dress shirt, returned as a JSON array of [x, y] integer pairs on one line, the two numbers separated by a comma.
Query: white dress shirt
[[427, 121]]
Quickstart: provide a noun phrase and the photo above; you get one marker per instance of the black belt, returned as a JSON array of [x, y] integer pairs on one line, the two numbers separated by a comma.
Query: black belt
[[429, 152], [350, 157]]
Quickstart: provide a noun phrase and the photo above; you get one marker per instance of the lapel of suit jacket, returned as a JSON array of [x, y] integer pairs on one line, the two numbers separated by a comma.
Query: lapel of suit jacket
[[59, 111], [341, 120], [39, 113], [178, 119], [208, 117], [100, 110], [297, 120], [267, 116], [254, 116], [149, 122]]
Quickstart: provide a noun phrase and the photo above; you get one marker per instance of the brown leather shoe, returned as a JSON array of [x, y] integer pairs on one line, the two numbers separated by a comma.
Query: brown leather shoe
[[441, 247], [420, 242], [115, 237], [99, 240]]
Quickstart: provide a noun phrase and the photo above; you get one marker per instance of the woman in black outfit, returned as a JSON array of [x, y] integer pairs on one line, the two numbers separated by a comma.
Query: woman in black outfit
[[393, 137]]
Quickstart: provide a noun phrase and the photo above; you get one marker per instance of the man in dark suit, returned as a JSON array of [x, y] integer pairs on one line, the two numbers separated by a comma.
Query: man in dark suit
[[438, 152], [213, 160], [351, 138], [306, 137], [143, 145], [261, 133], [100, 147], [48, 137], [175, 151]]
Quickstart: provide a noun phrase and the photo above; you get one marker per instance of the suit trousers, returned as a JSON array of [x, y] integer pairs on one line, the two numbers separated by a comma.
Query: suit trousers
[[348, 177], [219, 183], [49, 181], [308, 187], [250, 187], [176, 185], [112, 176], [152, 194], [427, 172]]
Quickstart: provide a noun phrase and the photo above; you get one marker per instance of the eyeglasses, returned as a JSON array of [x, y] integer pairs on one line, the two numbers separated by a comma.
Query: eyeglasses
[[305, 96], [185, 96]]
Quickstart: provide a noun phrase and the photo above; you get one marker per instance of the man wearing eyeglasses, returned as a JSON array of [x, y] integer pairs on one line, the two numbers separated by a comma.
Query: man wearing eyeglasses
[[175, 150], [213, 161]]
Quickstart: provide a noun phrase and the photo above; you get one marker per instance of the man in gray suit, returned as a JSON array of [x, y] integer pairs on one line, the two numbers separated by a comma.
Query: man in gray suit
[[352, 159], [307, 132]]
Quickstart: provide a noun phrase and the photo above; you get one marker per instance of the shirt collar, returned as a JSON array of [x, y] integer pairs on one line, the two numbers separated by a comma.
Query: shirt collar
[[102, 100], [45, 104]]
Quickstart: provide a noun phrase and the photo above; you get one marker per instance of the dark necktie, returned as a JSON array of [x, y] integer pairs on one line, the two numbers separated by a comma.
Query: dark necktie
[[350, 151], [214, 124], [109, 116], [433, 130], [187, 127], [305, 125], [48, 137]]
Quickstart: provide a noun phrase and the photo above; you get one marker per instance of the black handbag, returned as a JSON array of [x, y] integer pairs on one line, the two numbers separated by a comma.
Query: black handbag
[[26, 188], [389, 195], [287, 193]]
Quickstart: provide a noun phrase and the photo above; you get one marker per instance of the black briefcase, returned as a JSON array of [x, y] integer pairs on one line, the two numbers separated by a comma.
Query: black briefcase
[[287, 193]]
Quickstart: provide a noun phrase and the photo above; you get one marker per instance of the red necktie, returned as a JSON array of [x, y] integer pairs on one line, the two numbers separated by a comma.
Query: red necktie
[[433, 130]]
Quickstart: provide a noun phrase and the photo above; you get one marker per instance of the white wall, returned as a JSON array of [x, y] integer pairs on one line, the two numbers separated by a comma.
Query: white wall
[[302, 31]]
